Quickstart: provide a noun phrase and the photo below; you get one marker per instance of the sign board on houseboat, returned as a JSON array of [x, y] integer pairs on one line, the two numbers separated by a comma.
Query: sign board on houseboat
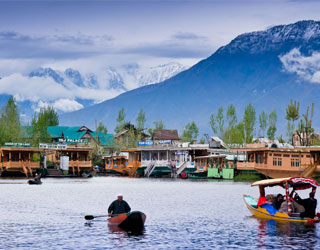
[[165, 142], [17, 144], [145, 143], [52, 146], [67, 140]]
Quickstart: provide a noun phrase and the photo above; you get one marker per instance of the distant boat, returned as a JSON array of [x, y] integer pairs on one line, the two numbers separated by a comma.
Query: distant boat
[[132, 221], [34, 182]]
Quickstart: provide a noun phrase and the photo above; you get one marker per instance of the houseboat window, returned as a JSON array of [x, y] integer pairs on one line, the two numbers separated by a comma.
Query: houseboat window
[[145, 156], [154, 156], [261, 159], [163, 156], [274, 161], [295, 155], [292, 162], [279, 161], [277, 154], [308, 156], [297, 163], [270, 154], [286, 155]]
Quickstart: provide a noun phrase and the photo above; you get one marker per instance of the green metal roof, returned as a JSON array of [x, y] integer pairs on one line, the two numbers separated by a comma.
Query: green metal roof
[[106, 140]]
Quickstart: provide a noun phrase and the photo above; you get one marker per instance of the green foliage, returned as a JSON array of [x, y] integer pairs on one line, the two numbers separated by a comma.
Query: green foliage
[[101, 128], [263, 122], [202, 141], [157, 125], [281, 140], [249, 120], [272, 125], [231, 116], [120, 120], [190, 132], [141, 119], [292, 114], [217, 122], [10, 128], [39, 125]]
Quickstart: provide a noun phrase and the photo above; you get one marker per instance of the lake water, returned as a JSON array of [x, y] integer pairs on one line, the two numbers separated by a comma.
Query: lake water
[[181, 214]]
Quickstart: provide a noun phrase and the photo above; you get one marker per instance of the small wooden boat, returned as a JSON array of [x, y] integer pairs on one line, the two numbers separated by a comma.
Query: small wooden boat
[[34, 182], [266, 211], [132, 221]]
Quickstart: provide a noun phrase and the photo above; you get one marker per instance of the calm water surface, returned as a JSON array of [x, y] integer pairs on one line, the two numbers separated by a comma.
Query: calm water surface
[[181, 214]]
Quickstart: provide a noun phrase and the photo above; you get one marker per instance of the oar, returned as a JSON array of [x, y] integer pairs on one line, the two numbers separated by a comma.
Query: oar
[[91, 217]]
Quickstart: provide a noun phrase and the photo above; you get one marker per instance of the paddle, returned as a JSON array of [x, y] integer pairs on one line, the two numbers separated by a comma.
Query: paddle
[[91, 217]]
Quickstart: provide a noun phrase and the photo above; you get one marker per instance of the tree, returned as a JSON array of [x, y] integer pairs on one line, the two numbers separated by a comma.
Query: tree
[[292, 114], [263, 122], [10, 127], [231, 116], [159, 125], [39, 125], [120, 120], [217, 123], [272, 125], [249, 120], [190, 132], [101, 128], [141, 119], [202, 141]]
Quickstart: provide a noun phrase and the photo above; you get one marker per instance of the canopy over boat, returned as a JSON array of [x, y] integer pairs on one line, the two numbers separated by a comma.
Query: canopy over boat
[[261, 209], [298, 183]]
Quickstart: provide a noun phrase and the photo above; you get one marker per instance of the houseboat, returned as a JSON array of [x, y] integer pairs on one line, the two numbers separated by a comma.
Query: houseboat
[[275, 161], [70, 160], [19, 159]]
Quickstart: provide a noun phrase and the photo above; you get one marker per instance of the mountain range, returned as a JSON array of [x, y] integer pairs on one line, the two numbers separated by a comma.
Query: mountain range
[[112, 79], [266, 68]]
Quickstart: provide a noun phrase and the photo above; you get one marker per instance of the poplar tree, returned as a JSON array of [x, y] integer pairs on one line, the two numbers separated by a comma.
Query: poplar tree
[[272, 125], [10, 127], [263, 122], [141, 119], [190, 132], [249, 120], [292, 114], [120, 120]]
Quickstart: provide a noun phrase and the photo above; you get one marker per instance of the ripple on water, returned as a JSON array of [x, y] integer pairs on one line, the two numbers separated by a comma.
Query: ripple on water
[[180, 215]]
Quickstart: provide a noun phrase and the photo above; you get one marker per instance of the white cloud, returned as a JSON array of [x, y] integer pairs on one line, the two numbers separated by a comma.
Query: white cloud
[[46, 89], [67, 105], [306, 67]]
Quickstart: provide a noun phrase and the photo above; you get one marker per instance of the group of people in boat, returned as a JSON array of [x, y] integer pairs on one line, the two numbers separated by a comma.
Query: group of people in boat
[[294, 205]]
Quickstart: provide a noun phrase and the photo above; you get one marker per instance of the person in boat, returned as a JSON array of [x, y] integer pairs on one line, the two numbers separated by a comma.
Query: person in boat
[[310, 205], [278, 201], [37, 177], [119, 206]]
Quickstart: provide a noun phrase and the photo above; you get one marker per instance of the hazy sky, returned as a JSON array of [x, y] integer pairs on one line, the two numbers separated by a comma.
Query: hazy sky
[[88, 35]]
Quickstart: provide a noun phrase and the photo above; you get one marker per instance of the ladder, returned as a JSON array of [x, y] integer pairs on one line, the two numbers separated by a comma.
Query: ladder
[[182, 167], [148, 171]]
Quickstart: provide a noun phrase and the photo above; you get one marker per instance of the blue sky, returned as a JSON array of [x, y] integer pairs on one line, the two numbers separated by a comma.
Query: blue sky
[[89, 35]]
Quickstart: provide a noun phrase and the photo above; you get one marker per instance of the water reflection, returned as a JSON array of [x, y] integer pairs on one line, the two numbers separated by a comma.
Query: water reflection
[[119, 230], [290, 234]]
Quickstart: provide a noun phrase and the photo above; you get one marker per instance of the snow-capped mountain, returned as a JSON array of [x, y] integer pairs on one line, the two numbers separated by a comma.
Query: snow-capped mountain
[[113, 78], [266, 68]]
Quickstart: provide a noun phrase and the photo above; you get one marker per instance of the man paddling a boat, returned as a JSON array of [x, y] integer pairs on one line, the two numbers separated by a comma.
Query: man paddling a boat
[[119, 206]]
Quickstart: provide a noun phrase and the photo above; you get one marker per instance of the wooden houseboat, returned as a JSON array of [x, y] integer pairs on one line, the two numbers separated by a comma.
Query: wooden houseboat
[[19, 160], [71, 160], [276, 162]]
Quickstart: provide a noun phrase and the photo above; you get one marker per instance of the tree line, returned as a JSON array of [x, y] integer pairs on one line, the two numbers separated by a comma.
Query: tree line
[[11, 129]]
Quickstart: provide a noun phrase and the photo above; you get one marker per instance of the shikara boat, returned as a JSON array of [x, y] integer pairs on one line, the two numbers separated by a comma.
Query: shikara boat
[[34, 182], [266, 211], [132, 221]]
